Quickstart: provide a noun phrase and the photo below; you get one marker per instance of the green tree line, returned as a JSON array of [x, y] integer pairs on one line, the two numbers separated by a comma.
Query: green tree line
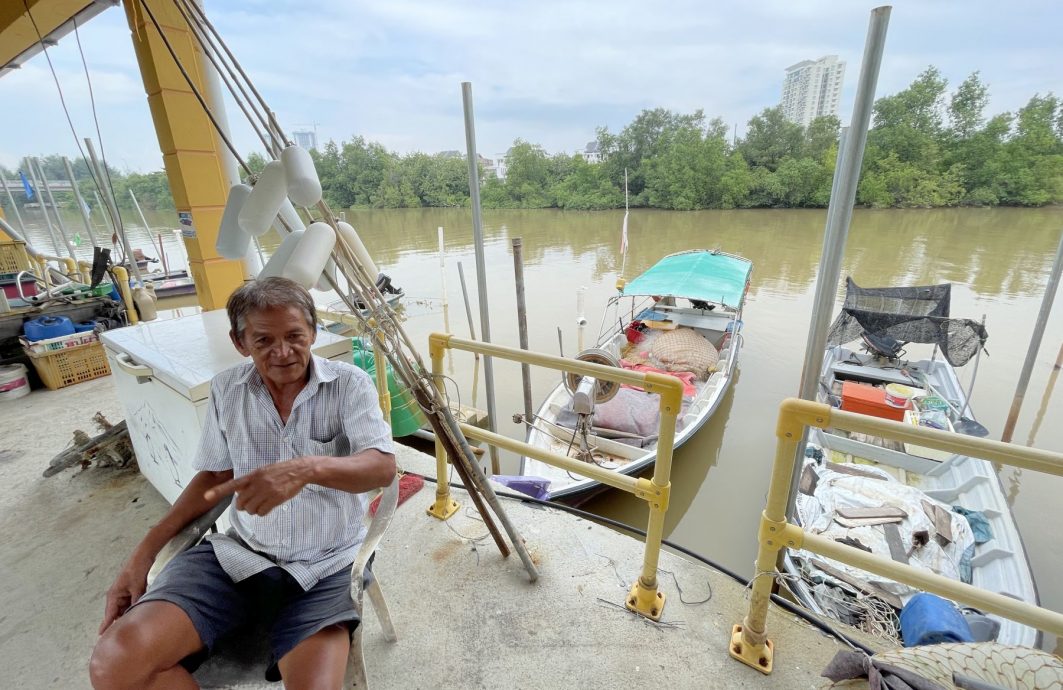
[[928, 147], [151, 189]]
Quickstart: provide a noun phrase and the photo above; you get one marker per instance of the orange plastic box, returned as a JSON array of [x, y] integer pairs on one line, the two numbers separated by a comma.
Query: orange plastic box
[[865, 399]]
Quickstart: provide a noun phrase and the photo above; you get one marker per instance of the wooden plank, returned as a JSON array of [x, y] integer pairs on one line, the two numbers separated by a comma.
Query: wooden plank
[[853, 471], [866, 522], [877, 512], [809, 481], [893, 539], [942, 520]]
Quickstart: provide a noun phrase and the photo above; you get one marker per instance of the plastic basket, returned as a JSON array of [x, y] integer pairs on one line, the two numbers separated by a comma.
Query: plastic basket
[[13, 257], [71, 365], [63, 342]]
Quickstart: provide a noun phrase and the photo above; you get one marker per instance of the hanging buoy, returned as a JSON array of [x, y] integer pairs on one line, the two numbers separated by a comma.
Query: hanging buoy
[[331, 272], [275, 266], [291, 219], [265, 200], [304, 187], [232, 240], [350, 235], [310, 255]]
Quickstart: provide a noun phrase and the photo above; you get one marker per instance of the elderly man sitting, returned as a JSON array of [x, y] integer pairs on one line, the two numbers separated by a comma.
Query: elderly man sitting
[[297, 438]]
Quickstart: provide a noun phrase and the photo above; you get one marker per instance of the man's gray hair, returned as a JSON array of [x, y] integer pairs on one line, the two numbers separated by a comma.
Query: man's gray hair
[[270, 293]]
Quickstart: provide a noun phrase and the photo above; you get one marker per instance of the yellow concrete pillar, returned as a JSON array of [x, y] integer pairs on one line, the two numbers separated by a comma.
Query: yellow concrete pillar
[[188, 142]]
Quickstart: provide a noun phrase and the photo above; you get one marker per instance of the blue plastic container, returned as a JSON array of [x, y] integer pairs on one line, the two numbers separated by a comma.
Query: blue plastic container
[[45, 327], [929, 619], [84, 326]]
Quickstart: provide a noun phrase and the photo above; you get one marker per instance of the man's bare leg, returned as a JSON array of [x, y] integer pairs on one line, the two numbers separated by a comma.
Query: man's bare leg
[[143, 649], [318, 662]]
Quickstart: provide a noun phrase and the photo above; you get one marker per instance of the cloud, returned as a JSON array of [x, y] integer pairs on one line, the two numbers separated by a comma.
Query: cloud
[[548, 71]]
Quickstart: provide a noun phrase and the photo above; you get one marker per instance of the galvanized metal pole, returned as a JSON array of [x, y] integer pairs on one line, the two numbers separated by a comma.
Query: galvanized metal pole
[[55, 209], [839, 215], [481, 269], [112, 203], [44, 208], [14, 207], [522, 330], [1035, 345], [80, 201]]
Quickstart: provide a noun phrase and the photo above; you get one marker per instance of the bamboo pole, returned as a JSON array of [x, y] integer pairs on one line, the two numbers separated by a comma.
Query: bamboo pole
[[14, 206], [1035, 344], [472, 334], [1049, 387], [80, 202], [522, 329], [55, 209], [44, 210]]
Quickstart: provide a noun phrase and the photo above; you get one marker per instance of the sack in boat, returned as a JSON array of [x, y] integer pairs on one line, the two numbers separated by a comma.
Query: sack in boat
[[684, 349]]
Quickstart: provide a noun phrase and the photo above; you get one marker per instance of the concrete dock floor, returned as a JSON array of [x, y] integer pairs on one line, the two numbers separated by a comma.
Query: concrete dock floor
[[466, 618]]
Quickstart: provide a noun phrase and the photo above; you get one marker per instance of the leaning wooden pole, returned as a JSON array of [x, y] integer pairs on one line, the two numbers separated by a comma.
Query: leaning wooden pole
[[1035, 345]]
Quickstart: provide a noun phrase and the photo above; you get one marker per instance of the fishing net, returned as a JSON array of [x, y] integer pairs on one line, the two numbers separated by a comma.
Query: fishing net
[[907, 315]]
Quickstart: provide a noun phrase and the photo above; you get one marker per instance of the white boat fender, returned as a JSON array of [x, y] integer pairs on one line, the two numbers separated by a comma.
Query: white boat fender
[[331, 272], [232, 240], [275, 266], [265, 200], [304, 187], [291, 219], [310, 255], [350, 236]]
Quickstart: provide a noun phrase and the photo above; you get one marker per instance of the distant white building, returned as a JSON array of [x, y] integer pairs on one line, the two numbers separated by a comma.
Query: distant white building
[[500, 164], [812, 89], [305, 138], [590, 152]]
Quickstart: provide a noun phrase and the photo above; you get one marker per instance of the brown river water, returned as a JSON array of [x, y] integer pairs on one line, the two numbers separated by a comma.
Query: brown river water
[[997, 259]]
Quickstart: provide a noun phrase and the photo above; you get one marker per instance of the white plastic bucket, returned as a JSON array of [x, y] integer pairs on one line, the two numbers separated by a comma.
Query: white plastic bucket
[[14, 382], [899, 395]]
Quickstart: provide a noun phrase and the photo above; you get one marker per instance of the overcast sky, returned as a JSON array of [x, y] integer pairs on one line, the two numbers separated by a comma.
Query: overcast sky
[[547, 71]]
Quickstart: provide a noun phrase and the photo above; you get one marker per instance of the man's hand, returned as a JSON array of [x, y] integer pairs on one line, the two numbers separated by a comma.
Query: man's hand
[[126, 589], [261, 491]]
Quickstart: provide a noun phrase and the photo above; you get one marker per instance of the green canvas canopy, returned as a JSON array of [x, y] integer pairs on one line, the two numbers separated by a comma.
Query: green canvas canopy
[[701, 275]]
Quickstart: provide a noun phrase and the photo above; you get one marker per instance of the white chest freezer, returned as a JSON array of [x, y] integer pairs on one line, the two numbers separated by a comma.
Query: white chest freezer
[[162, 371]]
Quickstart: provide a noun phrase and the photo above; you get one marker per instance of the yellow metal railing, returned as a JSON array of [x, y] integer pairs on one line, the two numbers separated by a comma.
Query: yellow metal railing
[[749, 640], [645, 597]]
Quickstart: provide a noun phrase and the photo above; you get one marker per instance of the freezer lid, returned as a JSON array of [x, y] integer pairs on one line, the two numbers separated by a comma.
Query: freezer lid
[[187, 352]]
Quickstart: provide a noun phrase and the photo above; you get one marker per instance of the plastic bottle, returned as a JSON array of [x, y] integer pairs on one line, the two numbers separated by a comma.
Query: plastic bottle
[[350, 236], [309, 257], [275, 266], [265, 200], [232, 240], [304, 187]]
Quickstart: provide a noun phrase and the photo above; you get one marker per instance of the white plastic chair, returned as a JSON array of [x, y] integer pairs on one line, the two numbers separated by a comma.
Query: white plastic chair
[[378, 525]]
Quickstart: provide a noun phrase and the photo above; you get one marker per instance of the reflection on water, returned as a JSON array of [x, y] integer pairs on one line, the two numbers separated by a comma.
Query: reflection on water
[[998, 260]]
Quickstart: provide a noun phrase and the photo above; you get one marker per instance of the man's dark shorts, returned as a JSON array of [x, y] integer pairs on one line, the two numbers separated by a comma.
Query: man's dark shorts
[[270, 600]]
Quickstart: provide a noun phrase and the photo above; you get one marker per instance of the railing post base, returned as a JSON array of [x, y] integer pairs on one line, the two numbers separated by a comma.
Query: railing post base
[[645, 601], [444, 507], [758, 656]]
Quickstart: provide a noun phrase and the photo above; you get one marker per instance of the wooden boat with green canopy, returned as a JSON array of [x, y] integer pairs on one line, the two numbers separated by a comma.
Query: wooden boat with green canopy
[[682, 317]]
